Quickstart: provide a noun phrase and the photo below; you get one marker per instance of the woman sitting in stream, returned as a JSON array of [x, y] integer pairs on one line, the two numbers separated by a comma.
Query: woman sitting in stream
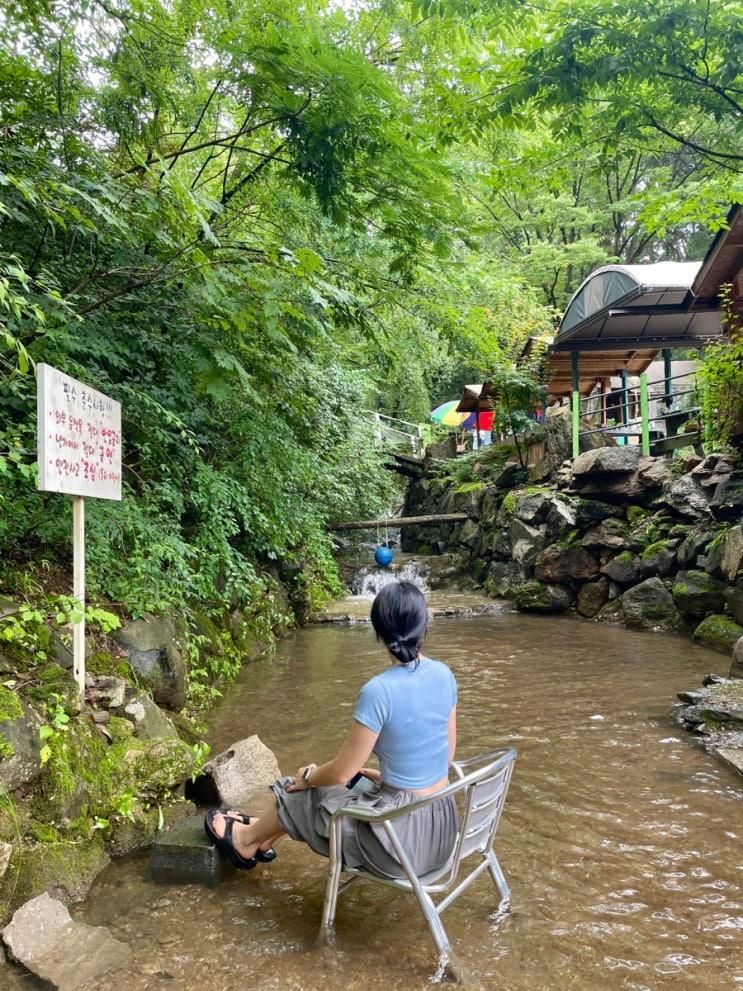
[[406, 715]]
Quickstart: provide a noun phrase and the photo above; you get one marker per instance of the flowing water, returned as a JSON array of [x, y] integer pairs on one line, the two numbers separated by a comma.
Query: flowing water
[[622, 841]]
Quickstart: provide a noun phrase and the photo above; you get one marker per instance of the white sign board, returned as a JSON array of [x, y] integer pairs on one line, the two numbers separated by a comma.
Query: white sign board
[[79, 437]]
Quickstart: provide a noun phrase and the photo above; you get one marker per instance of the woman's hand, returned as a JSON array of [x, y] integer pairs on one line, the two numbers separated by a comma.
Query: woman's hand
[[299, 783], [372, 773]]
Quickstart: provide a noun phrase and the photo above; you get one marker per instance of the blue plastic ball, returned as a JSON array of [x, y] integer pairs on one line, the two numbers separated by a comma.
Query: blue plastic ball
[[383, 556]]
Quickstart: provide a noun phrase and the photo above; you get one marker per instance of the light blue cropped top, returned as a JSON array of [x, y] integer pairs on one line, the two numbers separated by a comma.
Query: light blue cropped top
[[409, 706]]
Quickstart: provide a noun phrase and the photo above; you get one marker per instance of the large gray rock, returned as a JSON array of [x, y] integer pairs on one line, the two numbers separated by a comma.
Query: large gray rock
[[588, 512], [558, 443], [736, 667], [535, 596], [650, 606], [727, 502], [607, 460], [687, 498], [442, 450], [526, 542], [593, 597], [659, 559], [106, 691], [654, 472], [509, 476], [625, 569], [712, 470], [732, 553], [619, 488], [152, 651], [696, 594], [719, 632], [735, 602], [148, 719], [610, 533], [236, 776], [561, 518], [19, 732], [693, 545], [565, 564], [503, 577], [469, 534], [501, 542], [489, 507], [68, 954], [533, 507]]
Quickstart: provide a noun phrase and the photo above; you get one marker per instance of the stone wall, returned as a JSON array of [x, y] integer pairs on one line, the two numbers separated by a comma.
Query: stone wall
[[649, 542], [80, 783]]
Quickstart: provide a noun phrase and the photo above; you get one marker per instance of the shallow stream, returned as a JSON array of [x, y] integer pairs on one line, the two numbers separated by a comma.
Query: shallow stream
[[622, 841]]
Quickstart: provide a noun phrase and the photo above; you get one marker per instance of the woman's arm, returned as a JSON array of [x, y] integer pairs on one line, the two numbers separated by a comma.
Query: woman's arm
[[452, 733], [351, 757]]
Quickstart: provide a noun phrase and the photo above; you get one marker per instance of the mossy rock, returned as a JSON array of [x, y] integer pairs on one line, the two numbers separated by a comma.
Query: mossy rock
[[719, 632], [535, 596], [127, 833], [41, 648], [508, 506], [104, 662], [697, 594], [468, 487], [570, 540], [20, 745], [653, 549], [66, 869], [10, 706], [53, 684], [86, 776], [636, 513]]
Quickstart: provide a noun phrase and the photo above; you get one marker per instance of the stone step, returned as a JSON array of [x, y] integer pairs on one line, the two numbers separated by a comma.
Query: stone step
[[184, 854]]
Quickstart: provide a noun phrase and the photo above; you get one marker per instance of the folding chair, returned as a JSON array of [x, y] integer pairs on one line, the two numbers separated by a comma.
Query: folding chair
[[483, 794]]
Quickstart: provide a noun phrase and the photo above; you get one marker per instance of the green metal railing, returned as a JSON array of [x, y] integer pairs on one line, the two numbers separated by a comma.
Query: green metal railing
[[645, 425]]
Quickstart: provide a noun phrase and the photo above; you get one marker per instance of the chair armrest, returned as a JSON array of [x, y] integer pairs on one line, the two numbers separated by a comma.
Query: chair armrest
[[490, 764]]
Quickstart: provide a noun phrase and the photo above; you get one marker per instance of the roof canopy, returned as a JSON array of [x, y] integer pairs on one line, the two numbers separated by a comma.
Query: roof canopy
[[477, 397], [637, 306], [723, 262]]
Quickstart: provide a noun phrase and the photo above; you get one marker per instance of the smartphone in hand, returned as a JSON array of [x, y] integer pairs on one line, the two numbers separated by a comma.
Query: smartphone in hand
[[360, 784]]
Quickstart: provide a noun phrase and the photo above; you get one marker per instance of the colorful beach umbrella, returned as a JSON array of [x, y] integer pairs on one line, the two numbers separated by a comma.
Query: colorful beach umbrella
[[447, 415]]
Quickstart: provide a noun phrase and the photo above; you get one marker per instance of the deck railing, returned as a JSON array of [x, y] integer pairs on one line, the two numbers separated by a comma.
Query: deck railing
[[396, 434], [659, 432]]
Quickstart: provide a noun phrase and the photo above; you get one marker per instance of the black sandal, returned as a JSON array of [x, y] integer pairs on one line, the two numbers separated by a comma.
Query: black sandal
[[262, 856], [225, 843]]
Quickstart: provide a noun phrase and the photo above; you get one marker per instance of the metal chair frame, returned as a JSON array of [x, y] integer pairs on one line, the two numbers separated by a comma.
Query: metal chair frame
[[484, 793]]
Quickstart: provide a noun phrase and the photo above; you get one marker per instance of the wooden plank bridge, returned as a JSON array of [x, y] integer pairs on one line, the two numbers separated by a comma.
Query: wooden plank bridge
[[395, 521]]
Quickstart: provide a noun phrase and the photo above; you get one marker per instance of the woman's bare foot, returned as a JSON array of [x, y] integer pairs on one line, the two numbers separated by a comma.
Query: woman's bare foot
[[240, 833]]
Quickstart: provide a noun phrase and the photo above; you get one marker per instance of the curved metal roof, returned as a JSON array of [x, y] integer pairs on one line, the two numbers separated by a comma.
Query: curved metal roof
[[643, 305]]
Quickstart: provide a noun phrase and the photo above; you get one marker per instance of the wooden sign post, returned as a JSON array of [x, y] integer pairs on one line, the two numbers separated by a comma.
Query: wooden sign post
[[79, 454]]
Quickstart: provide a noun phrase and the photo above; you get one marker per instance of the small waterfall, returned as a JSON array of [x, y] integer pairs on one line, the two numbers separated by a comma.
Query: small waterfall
[[368, 581]]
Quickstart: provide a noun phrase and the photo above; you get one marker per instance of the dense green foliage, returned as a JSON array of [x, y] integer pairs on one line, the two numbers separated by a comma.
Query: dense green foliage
[[216, 216], [252, 222]]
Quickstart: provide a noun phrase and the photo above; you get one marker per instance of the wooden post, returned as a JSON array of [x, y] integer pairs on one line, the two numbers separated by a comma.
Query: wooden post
[[667, 376], [645, 413], [625, 396], [576, 403], [78, 591]]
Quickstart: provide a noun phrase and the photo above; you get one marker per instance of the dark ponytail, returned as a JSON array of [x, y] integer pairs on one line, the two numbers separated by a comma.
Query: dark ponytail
[[399, 616]]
